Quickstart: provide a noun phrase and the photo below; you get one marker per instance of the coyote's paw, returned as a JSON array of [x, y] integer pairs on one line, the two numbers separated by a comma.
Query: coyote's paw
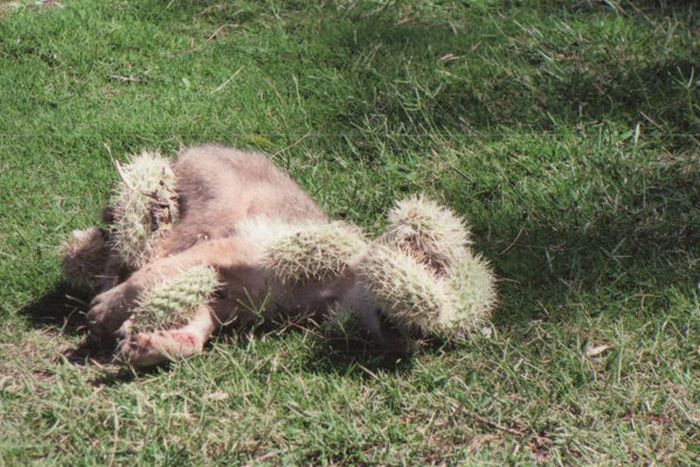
[[148, 349], [109, 310]]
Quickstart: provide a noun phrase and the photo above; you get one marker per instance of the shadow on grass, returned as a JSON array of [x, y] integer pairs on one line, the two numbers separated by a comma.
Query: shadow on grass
[[345, 355], [522, 93], [330, 351], [415, 72], [660, 8], [648, 244], [62, 309]]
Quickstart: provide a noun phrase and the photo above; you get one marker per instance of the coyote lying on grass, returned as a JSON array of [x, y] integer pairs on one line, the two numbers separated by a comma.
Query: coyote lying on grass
[[250, 243]]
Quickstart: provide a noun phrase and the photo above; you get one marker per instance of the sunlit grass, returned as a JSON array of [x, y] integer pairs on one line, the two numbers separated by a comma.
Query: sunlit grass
[[565, 132]]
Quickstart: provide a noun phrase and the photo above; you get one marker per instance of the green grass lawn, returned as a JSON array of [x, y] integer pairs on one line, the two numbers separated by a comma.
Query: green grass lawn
[[566, 132]]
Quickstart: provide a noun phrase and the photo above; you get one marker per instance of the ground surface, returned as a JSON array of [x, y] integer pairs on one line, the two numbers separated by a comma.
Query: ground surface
[[565, 131]]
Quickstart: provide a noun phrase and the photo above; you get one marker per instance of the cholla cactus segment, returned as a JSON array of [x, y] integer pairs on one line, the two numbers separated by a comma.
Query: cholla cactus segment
[[144, 207], [83, 257], [172, 303], [314, 253], [475, 286], [412, 297], [431, 233]]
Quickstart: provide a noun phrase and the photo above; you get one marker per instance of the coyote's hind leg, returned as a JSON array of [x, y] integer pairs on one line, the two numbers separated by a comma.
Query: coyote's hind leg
[[151, 348], [234, 258]]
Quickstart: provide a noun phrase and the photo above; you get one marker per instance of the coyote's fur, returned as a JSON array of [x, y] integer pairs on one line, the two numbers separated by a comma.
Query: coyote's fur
[[230, 201]]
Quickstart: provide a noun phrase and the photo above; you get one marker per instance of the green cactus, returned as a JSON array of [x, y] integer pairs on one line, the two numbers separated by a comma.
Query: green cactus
[[173, 302], [431, 233], [411, 296], [424, 275], [415, 299], [83, 257], [314, 253], [145, 207], [475, 286]]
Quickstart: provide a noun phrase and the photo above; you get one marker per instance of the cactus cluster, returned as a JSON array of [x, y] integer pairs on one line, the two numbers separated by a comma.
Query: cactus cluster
[[409, 294], [437, 286], [172, 302], [314, 253], [145, 207], [429, 232]]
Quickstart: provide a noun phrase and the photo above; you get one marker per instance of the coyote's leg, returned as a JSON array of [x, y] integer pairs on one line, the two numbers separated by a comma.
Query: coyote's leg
[[151, 348], [110, 309]]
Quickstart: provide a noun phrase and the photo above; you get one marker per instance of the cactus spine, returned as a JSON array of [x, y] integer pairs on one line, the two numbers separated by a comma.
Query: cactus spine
[[173, 302], [314, 253], [145, 207]]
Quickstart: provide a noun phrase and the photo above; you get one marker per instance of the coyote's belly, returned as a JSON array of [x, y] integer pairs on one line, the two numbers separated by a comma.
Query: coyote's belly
[[219, 188]]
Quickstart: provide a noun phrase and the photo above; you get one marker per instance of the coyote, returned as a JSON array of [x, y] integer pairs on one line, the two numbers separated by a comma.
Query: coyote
[[251, 244], [230, 202]]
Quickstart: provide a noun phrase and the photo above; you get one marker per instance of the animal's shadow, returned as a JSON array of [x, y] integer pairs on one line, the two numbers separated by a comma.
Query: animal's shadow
[[62, 310]]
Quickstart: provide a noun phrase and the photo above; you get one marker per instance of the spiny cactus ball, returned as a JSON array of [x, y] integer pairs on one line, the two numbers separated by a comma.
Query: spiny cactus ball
[[475, 285], [83, 257], [431, 233], [172, 303], [144, 206], [412, 297], [314, 253]]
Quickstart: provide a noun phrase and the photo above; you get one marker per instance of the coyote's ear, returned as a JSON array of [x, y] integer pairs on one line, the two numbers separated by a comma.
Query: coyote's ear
[[84, 255]]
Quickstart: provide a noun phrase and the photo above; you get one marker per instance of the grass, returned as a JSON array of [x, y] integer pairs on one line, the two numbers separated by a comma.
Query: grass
[[566, 132]]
